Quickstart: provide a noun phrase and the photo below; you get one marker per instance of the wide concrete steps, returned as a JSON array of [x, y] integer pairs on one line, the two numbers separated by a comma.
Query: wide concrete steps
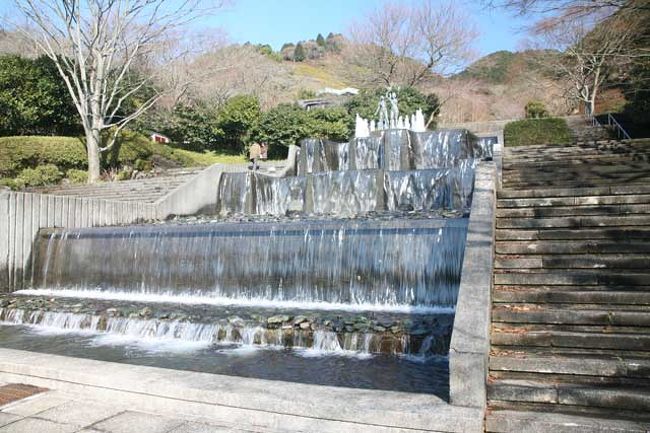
[[146, 190], [570, 340], [586, 165], [543, 419]]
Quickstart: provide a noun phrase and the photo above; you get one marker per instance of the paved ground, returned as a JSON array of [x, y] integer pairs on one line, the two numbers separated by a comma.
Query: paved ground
[[57, 412]]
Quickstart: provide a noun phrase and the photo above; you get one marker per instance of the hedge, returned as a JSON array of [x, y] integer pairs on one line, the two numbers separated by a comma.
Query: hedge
[[66, 153], [537, 131]]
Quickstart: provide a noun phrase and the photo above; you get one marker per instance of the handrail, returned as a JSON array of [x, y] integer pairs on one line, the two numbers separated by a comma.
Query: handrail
[[612, 123], [620, 131]]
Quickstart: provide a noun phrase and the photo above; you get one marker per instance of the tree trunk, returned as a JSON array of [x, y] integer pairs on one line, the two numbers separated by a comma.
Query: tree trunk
[[93, 143]]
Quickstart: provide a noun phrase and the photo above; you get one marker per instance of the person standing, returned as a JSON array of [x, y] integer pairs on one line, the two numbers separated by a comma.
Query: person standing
[[254, 153]]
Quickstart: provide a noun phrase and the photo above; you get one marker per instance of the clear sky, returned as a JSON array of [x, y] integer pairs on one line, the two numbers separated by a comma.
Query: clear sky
[[278, 21]]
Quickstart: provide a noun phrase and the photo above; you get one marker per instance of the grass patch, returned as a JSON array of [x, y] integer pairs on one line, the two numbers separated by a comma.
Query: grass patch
[[320, 74], [210, 157], [530, 132]]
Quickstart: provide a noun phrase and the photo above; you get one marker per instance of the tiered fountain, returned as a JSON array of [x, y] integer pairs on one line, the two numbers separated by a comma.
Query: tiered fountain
[[344, 273]]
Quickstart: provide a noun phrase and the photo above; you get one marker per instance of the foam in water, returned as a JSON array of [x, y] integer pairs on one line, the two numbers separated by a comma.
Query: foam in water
[[184, 335]]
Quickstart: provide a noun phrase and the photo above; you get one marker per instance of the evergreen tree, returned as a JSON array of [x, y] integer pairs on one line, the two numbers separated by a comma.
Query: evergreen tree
[[299, 53], [320, 40]]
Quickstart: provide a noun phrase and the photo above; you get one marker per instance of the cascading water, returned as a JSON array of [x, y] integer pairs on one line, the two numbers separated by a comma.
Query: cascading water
[[359, 252], [347, 263]]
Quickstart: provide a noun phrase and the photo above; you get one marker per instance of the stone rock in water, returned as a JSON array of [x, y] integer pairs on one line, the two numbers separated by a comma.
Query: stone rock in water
[[278, 320], [299, 319], [146, 312]]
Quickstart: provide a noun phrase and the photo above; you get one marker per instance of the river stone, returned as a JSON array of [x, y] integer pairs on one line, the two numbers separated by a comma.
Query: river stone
[[4, 303], [276, 321], [146, 312], [305, 325], [299, 319]]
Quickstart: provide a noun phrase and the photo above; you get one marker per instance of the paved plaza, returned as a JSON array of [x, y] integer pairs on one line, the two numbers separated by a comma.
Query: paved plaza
[[57, 412]]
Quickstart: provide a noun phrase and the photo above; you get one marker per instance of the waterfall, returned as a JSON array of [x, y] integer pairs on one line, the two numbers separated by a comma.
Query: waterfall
[[388, 263], [246, 334]]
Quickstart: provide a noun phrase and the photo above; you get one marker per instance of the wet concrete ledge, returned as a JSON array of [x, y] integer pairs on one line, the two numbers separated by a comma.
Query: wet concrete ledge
[[242, 401], [470, 340]]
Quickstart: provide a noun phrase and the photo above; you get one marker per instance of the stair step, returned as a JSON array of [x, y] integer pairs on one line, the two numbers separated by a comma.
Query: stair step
[[517, 421], [582, 365], [600, 246], [575, 278], [573, 261], [555, 211], [573, 222], [553, 296], [575, 234], [573, 201], [566, 314], [549, 336], [574, 192], [627, 398]]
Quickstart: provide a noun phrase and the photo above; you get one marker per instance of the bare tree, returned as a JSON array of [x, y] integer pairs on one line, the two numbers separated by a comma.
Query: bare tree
[[99, 48], [585, 54], [398, 44], [572, 8]]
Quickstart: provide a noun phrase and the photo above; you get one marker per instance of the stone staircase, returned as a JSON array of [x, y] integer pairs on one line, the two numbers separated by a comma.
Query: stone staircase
[[584, 132], [571, 300], [146, 190]]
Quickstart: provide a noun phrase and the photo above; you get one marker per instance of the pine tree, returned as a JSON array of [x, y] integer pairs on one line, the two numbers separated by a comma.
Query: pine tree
[[320, 40], [299, 53]]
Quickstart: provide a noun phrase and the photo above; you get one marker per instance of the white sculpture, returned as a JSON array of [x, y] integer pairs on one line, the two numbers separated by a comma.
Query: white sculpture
[[394, 109], [382, 110], [389, 120]]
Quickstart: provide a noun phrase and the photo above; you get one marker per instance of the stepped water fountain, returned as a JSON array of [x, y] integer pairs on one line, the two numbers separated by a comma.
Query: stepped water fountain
[[357, 254]]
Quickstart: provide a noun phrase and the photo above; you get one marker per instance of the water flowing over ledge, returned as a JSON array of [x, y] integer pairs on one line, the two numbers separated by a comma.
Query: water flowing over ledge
[[278, 331], [386, 265]]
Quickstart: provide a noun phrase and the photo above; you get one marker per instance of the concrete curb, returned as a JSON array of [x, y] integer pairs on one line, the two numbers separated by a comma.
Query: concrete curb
[[470, 341], [239, 400]]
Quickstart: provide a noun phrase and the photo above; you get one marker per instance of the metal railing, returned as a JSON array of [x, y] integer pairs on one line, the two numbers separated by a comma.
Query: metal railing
[[612, 124], [621, 133]]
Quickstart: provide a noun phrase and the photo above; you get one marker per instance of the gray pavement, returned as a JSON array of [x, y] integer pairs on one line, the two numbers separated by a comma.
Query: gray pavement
[[57, 412]]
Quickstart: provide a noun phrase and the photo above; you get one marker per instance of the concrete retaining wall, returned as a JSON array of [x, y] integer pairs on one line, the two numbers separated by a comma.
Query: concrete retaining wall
[[470, 340], [23, 214], [199, 194]]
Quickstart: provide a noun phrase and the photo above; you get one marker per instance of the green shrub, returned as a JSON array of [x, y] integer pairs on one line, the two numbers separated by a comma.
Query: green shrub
[[537, 131], [536, 110], [76, 176], [17, 153], [67, 153], [288, 124], [11, 183], [126, 173], [48, 174]]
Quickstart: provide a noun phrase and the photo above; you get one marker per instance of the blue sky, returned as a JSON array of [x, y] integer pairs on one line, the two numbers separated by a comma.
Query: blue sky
[[278, 21]]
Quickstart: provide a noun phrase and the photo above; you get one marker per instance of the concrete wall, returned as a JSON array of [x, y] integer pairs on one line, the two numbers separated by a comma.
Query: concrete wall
[[470, 340], [199, 194], [23, 214]]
